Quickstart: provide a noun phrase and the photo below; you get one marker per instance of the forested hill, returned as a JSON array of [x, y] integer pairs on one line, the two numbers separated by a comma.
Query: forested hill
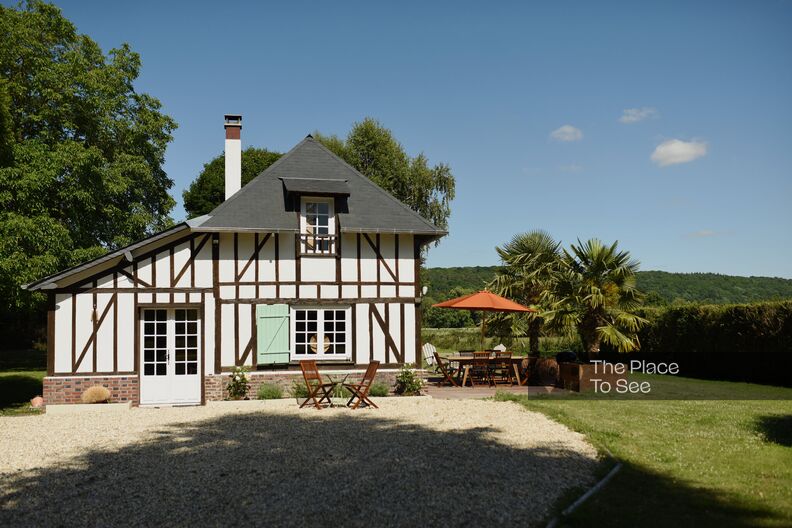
[[662, 287]]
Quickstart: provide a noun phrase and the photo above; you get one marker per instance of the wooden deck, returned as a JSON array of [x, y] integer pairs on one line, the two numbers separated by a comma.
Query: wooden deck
[[458, 393]]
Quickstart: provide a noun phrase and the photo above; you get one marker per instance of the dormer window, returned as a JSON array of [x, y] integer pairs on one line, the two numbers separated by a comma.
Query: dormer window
[[317, 226]]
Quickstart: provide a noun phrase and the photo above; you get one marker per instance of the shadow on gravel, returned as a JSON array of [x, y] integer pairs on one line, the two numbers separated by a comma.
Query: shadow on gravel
[[305, 469]]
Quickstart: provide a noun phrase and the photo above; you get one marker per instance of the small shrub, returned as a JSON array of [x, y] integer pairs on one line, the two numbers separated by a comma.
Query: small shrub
[[270, 391], [239, 385], [298, 389], [379, 390], [96, 394], [339, 391], [408, 383]]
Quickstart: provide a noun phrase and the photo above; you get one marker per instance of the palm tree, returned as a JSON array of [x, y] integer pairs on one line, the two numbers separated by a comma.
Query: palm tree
[[531, 261], [595, 294]]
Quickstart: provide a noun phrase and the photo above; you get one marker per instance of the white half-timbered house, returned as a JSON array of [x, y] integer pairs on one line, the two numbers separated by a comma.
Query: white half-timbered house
[[310, 260]]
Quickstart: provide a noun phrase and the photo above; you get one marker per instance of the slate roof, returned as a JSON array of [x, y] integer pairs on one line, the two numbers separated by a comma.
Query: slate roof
[[263, 205], [312, 186]]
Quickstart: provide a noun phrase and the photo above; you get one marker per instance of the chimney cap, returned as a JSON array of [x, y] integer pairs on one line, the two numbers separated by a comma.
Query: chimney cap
[[234, 120]]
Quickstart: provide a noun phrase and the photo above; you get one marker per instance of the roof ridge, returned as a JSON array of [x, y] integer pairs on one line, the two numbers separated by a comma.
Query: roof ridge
[[380, 189]]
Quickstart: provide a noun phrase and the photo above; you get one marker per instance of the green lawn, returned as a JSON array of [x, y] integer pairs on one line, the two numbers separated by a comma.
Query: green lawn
[[686, 463], [21, 372]]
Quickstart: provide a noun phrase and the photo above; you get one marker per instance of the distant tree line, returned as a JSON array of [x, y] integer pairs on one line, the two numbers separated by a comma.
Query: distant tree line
[[661, 288]]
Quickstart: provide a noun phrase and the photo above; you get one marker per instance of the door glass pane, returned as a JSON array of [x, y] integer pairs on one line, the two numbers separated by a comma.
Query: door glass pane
[[186, 342], [155, 342]]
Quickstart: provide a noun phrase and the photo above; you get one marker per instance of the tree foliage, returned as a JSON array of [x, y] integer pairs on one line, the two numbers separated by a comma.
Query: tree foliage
[[81, 151], [207, 191], [662, 288], [443, 317], [531, 263], [595, 293], [739, 342]]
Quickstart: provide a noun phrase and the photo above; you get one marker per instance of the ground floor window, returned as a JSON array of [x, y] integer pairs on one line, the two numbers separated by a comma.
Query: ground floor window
[[320, 333]]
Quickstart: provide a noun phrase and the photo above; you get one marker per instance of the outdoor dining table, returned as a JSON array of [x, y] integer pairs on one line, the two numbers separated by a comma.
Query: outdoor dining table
[[468, 360]]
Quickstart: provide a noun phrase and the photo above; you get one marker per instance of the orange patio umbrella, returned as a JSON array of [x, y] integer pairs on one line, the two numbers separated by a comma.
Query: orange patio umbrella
[[486, 302]]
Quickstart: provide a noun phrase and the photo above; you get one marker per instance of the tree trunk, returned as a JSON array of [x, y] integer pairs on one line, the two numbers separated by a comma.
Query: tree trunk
[[593, 349], [534, 329], [591, 340]]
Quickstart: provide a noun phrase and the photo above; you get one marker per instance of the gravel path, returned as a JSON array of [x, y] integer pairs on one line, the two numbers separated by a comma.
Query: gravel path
[[414, 461]]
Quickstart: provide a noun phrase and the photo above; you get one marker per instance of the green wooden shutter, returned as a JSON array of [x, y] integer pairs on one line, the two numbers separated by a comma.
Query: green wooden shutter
[[272, 325]]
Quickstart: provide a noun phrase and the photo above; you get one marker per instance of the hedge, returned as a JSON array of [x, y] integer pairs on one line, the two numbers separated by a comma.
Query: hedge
[[743, 342]]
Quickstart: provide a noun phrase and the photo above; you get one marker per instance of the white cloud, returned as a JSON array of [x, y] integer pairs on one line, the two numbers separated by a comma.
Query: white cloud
[[633, 115], [675, 151], [703, 233], [566, 133], [571, 167]]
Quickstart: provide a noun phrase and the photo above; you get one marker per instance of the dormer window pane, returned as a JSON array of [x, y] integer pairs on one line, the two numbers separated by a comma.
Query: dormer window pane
[[318, 225]]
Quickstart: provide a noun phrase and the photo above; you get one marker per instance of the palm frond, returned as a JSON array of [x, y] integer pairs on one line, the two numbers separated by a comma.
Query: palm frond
[[616, 338]]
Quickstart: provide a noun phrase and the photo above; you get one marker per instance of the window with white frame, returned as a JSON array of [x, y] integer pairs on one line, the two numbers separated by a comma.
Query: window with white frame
[[320, 333], [317, 226]]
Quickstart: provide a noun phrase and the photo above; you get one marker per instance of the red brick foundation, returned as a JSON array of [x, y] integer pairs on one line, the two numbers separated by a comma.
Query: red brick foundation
[[215, 385], [69, 389], [59, 390]]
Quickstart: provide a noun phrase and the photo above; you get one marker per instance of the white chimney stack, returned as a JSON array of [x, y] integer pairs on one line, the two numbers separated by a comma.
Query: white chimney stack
[[233, 154]]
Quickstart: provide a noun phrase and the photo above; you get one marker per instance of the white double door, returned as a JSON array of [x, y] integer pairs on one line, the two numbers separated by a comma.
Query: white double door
[[170, 356]]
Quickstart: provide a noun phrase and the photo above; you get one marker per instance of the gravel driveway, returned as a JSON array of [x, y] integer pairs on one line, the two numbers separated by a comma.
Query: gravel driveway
[[414, 461]]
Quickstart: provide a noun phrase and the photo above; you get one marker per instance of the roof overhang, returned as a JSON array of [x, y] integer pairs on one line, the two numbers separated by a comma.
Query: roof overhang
[[50, 282], [315, 187]]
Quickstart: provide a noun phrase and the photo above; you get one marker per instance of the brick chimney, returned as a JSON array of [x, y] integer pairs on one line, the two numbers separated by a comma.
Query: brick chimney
[[233, 154]]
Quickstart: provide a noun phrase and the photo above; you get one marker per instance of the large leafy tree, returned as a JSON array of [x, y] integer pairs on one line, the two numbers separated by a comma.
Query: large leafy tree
[[595, 293], [207, 191], [81, 151], [531, 262]]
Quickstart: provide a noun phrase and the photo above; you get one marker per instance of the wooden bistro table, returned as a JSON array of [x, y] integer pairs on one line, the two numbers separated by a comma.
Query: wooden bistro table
[[466, 361]]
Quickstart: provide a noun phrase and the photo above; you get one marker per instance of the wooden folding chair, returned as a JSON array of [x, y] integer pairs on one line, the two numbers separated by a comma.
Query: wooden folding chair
[[502, 367], [446, 370], [480, 368], [360, 390], [316, 386]]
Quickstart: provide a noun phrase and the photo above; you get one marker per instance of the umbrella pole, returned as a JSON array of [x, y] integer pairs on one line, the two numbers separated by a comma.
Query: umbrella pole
[[483, 325]]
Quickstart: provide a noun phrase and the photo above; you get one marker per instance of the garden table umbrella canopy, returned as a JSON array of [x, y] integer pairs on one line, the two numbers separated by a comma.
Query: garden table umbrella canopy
[[486, 302]]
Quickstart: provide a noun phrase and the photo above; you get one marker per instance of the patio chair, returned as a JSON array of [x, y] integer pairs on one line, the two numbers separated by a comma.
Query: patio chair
[[316, 386], [446, 370], [428, 354], [501, 368], [479, 369], [360, 390]]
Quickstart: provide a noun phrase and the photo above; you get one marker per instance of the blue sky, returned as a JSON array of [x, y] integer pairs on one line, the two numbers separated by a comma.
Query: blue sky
[[701, 180]]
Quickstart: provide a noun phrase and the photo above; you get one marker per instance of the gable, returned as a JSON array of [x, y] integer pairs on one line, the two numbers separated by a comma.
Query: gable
[[266, 204]]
